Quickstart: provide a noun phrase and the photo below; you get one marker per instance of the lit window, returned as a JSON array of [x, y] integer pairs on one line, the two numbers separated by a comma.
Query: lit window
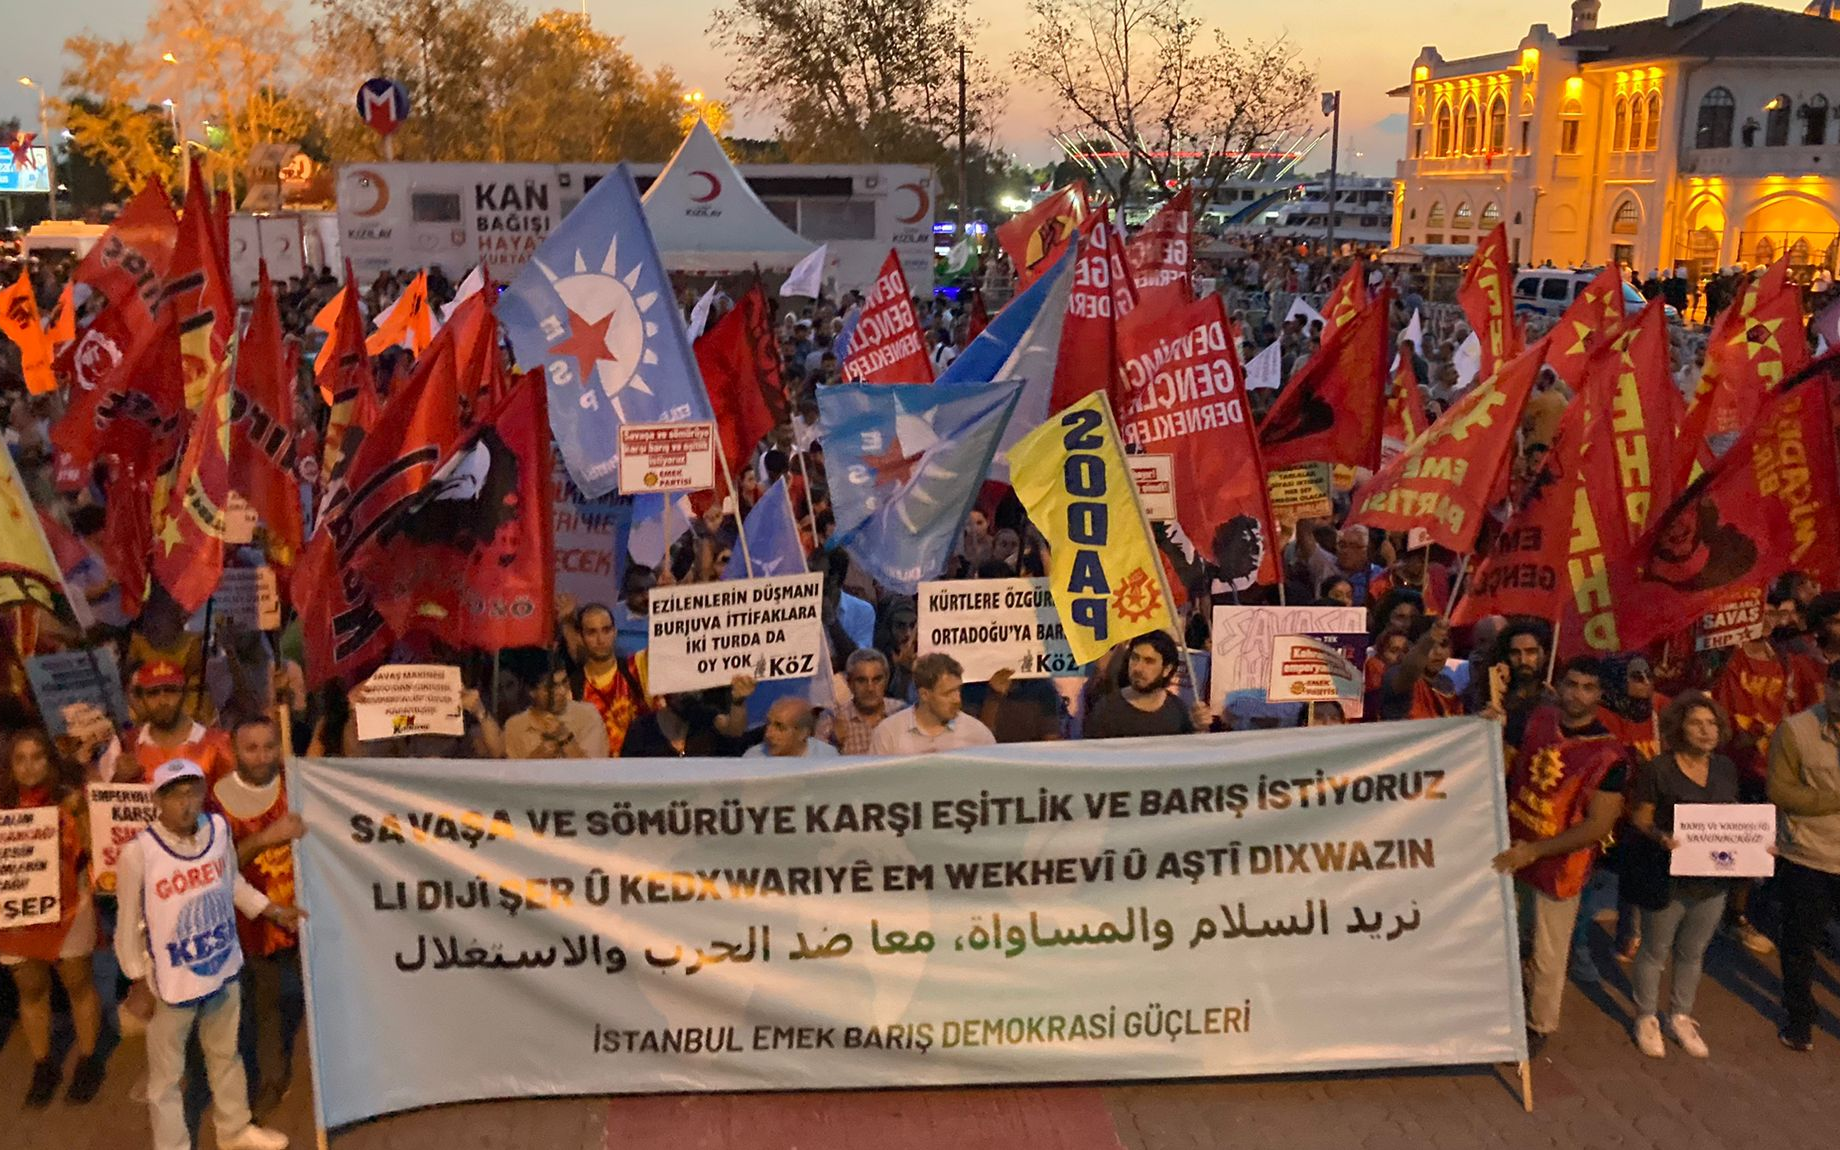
[[1472, 127], [1462, 219], [1435, 217], [1498, 124], [1776, 123], [1628, 219], [1491, 215], [1570, 114], [1651, 139], [1619, 132], [1440, 141]]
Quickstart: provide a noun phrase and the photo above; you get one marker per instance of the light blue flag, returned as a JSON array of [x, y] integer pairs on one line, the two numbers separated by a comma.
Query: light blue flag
[[1022, 343], [773, 540], [905, 463], [594, 310]]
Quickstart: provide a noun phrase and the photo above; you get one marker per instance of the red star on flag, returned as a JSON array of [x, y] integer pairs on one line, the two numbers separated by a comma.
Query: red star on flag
[[587, 343], [893, 466]]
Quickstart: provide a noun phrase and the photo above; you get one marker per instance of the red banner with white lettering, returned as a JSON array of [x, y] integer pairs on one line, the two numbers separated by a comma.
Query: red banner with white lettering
[[887, 345], [1100, 295]]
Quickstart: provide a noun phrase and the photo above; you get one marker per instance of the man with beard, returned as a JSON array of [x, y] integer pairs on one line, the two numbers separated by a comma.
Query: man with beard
[[1565, 794], [165, 731], [1523, 647], [1143, 704], [694, 724], [555, 726]]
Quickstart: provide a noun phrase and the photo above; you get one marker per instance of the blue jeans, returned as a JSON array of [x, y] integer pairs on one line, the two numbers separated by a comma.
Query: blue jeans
[[1685, 927]]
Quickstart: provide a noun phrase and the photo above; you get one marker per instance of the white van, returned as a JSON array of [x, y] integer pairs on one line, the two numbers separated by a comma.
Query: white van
[[1549, 291]]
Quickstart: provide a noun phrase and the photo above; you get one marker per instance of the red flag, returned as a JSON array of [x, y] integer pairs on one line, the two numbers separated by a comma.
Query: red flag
[[188, 543], [1159, 254], [1405, 412], [1767, 507], [1757, 343], [1644, 413], [474, 566], [1443, 482], [1332, 408], [979, 318], [1035, 239], [127, 534], [62, 326], [1348, 299], [1100, 294], [479, 364], [409, 322], [19, 322], [197, 289], [1185, 398], [343, 373], [886, 345], [1596, 314], [126, 270], [135, 410], [262, 444], [1487, 297], [739, 359]]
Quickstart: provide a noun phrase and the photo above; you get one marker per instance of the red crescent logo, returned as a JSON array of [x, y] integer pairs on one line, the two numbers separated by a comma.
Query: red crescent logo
[[364, 177], [715, 188], [922, 203]]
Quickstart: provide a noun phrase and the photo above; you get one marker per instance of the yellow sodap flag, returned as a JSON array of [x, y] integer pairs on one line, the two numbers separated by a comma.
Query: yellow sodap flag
[[1108, 581]]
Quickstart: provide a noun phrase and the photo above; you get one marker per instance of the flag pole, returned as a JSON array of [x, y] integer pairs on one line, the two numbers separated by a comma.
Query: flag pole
[[1162, 577]]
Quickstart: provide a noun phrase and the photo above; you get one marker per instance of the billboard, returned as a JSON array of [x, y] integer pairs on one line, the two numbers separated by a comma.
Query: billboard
[[33, 177]]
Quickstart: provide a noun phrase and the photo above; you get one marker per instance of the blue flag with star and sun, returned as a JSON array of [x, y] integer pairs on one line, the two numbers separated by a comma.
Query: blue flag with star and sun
[[906, 462], [594, 310]]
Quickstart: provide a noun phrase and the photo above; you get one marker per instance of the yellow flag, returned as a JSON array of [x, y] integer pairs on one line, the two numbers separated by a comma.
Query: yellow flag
[[28, 571], [1107, 579]]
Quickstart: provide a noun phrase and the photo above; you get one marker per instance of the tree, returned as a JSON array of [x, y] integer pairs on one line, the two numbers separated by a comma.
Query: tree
[[859, 81], [1139, 76], [112, 127]]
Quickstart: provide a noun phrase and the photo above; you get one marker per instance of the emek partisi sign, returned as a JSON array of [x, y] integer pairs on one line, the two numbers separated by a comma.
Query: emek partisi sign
[[990, 625], [704, 634], [1253, 903], [667, 457]]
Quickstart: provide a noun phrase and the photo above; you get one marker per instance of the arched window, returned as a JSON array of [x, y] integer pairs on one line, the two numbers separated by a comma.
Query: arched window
[[1498, 124], [1571, 114], [1638, 121], [1814, 122], [1440, 140], [1472, 127], [1798, 253], [1619, 131], [1491, 215], [1462, 219], [1766, 250], [1651, 139], [1716, 111], [1628, 219], [1776, 123], [1435, 217]]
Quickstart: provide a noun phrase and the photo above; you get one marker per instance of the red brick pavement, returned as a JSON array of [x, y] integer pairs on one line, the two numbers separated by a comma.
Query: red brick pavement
[[1592, 1089]]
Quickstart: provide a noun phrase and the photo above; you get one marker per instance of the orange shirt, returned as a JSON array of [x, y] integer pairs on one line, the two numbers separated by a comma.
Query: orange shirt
[[272, 871], [1759, 694], [208, 748]]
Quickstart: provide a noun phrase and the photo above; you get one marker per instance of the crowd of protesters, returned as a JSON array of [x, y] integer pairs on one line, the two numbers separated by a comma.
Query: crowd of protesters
[[1635, 735]]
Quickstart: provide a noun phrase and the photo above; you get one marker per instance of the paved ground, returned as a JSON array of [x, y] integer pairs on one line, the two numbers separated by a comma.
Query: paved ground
[[1591, 1089]]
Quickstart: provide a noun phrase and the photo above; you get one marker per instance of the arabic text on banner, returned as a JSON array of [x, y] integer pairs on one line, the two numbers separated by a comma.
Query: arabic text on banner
[[1262, 902]]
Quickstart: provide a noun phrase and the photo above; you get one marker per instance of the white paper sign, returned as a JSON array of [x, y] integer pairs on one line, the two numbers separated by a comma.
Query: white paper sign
[[240, 521], [409, 699], [250, 597], [117, 812], [1312, 668], [68, 679], [1156, 485], [28, 867], [704, 634], [991, 624], [667, 457], [1265, 371], [1724, 840], [1301, 310], [1243, 638]]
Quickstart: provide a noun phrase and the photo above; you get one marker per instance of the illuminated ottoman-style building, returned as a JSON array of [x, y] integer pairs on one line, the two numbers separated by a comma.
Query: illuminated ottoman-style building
[[1702, 138]]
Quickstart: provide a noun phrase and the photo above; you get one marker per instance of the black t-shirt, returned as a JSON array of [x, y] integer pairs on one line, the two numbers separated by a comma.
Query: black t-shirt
[[1661, 782], [1114, 717], [1030, 712], [645, 740]]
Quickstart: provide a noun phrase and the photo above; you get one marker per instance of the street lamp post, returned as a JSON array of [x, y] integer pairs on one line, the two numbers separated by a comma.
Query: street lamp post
[[1332, 106], [44, 128]]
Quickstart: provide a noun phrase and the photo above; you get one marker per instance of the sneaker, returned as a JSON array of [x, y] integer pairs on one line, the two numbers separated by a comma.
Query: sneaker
[[86, 1083], [45, 1078], [1648, 1037], [1753, 939], [1686, 1032], [253, 1137], [1801, 1045]]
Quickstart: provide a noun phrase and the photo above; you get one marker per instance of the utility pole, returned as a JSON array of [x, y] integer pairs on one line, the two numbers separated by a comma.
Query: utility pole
[[964, 182], [1332, 106]]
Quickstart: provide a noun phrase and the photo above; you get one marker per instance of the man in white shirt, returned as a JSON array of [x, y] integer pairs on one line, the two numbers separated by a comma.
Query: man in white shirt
[[788, 734], [936, 721], [180, 888]]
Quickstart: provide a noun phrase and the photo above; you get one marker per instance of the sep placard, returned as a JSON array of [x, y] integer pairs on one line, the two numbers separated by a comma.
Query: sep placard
[[989, 625], [117, 812], [704, 634], [28, 866], [67, 679], [409, 699], [667, 457], [1154, 476]]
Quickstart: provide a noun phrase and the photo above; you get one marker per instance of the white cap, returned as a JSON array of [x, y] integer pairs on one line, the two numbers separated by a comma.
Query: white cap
[[174, 771]]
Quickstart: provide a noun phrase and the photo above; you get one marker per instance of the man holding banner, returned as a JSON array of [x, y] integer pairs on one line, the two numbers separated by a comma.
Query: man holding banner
[[1143, 704]]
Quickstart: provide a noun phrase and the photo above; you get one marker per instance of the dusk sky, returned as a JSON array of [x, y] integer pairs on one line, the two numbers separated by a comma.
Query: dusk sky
[[1361, 46]]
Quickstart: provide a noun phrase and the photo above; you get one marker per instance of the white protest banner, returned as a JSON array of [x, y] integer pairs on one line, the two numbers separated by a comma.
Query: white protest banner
[[992, 624], [704, 634], [1316, 668], [1301, 492], [409, 699], [71, 677], [1265, 371], [586, 533], [667, 457], [28, 866], [250, 597], [1302, 311], [1242, 643], [117, 812], [1154, 476], [1195, 906], [1724, 840]]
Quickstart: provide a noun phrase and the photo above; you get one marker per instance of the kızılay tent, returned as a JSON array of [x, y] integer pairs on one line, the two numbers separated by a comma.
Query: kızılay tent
[[705, 218]]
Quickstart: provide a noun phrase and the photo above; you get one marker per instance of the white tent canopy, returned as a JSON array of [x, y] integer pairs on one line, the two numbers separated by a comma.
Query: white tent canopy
[[706, 218]]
